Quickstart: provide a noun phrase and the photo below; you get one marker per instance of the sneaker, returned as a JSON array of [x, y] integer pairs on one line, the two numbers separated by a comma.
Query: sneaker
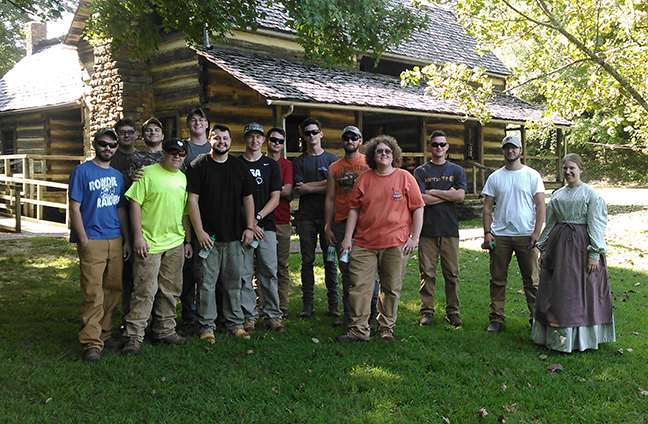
[[345, 320], [240, 332], [92, 355], [112, 344], [454, 320], [307, 311], [208, 336], [174, 339], [132, 347], [350, 337], [249, 325], [285, 314], [494, 327], [373, 323], [387, 336], [275, 325], [426, 319]]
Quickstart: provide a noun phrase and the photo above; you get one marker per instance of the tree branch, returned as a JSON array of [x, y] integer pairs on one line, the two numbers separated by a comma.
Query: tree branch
[[544, 75]]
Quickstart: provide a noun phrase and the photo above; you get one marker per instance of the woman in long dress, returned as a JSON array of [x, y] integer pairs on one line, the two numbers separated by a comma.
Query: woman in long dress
[[573, 304]]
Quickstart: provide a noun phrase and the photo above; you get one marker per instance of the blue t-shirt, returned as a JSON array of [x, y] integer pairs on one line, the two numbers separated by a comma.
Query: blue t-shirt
[[100, 192]]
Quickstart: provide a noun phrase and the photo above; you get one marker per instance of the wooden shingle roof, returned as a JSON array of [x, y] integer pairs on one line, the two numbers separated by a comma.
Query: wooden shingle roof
[[443, 41], [49, 78], [283, 80]]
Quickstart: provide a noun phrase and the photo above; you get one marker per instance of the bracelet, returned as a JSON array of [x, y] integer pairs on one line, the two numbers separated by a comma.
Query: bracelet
[[251, 229], [487, 232], [187, 242]]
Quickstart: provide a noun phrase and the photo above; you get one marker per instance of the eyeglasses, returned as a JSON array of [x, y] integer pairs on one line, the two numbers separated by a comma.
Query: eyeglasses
[[311, 133], [438, 144], [177, 153], [102, 143], [276, 140], [385, 151], [123, 133], [350, 137]]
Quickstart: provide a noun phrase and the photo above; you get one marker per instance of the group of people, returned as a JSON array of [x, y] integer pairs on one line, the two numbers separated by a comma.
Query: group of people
[[185, 220]]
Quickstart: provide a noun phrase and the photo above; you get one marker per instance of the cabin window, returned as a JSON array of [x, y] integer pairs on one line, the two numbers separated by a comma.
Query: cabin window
[[8, 139]]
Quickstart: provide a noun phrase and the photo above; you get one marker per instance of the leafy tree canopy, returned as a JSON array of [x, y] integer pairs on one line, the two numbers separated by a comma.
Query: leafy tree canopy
[[14, 14], [580, 57], [330, 31]]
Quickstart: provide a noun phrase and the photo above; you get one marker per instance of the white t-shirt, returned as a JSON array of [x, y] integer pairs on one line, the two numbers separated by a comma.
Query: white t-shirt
[[513, 191]]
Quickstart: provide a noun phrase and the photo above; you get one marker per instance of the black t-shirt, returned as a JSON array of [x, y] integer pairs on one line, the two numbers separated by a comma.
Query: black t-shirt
[[221, 187], [267, 175], [306, 169], [440, 220]]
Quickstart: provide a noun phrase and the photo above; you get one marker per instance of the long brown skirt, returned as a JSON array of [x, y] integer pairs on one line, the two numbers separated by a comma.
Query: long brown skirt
[[567, 295]]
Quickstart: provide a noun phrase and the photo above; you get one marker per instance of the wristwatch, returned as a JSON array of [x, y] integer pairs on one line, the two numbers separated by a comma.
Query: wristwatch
[[258, 217]]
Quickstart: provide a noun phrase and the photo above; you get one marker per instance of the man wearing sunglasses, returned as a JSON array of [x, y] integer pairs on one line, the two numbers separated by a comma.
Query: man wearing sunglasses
[[263, 253], [341, 178], [442, 183], [160, 247], [310, 171], [276, 139], [98, 220]]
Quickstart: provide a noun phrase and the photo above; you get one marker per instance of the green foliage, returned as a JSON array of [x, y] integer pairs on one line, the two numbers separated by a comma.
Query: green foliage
[[577, 56], [14, 15], [331, 32], [471, 87]]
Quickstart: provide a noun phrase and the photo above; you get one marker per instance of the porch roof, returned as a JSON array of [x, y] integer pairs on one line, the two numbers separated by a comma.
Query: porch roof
[[283, 81]]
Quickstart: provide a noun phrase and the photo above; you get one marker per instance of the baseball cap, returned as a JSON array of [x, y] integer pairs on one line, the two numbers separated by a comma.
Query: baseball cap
[[197, 111], [512, 139], [151, 121], [353, 130], [174, 144], [106, 131], [253, 126]]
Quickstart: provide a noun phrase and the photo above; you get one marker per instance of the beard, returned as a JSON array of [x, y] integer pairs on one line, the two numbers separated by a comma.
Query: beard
[[350, 149], [104, 156], [220, 151], [152, 143]]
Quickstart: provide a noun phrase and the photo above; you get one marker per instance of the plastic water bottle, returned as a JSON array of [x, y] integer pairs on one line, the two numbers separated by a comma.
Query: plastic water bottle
[[204, 253], [345, 257], [330, 254]]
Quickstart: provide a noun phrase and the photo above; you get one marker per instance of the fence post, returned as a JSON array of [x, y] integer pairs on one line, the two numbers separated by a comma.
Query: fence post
[[18, 208]]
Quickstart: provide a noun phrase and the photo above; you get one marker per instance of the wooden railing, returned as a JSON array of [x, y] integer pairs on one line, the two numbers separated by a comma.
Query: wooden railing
[[13, 198], [35, 166]]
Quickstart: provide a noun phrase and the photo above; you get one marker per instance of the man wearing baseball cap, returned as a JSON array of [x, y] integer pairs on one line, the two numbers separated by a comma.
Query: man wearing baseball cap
[[514, 226], [160, 247], [263, 251], [340, 180], [99, 223]]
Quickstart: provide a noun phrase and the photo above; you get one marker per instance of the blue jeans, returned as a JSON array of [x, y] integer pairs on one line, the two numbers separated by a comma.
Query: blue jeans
[[308, 230]]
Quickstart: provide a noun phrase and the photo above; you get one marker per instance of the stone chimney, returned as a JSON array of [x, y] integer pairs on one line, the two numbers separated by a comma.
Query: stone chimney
[[35, 32]]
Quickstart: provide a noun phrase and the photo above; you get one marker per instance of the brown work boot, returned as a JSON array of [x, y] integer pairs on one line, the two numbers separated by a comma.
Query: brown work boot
[[240, 332], [275, 325], [249, 325], [92, 355], [426, 319], [208, 336]]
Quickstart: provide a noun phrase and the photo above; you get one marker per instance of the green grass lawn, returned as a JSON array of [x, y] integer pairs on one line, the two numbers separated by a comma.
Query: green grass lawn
[[435, 374]]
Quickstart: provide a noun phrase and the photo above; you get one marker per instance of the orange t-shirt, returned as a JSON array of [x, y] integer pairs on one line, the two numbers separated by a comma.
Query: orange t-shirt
[[385, 206], [345, 172]]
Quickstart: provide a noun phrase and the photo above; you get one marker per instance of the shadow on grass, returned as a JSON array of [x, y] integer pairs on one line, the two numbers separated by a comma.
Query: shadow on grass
[[429, 374], [621, 209]]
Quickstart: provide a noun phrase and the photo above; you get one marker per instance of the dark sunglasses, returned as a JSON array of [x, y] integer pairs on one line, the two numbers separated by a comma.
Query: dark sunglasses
[[438, 144], [276, 140], [385, 151], [350, 137], [177, 153], [311, 133], [122, 133], [102, 143]]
